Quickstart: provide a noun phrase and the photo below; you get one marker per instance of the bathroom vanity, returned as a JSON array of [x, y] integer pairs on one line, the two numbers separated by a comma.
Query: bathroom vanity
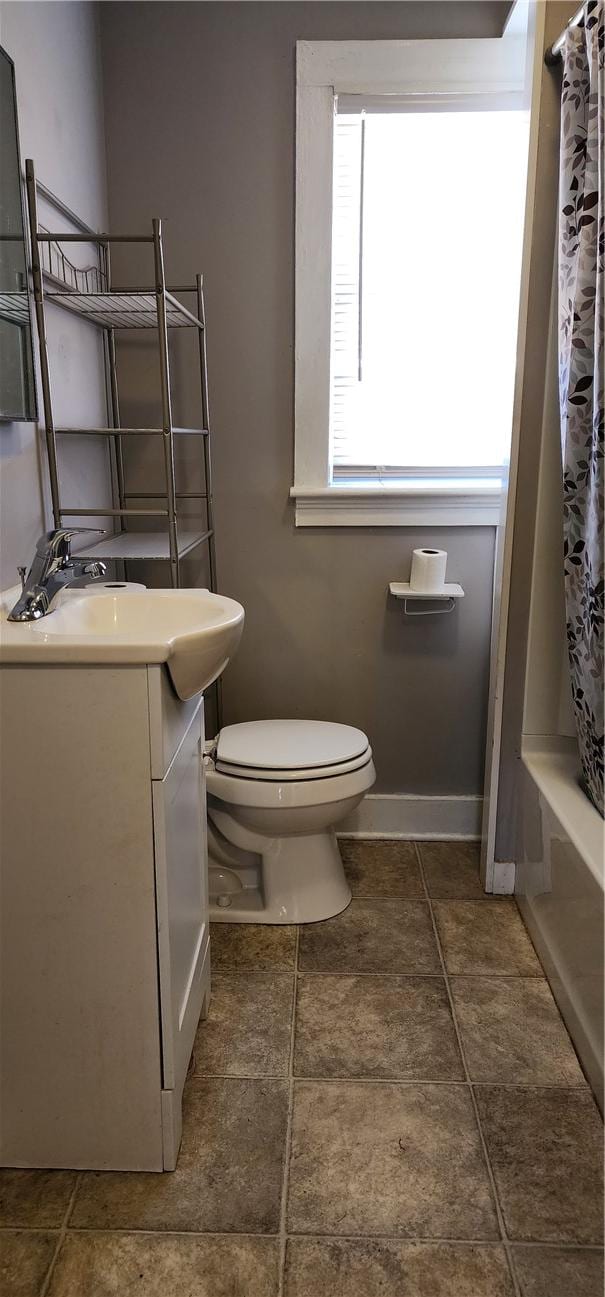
[[104, 955]]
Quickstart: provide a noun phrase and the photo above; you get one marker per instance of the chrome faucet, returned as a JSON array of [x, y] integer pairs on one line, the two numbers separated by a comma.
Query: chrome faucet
[[52, 569]]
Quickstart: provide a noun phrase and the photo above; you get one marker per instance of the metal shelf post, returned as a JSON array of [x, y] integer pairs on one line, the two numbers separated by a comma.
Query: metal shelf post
[[201, 333], [160, 290], [51, 443]]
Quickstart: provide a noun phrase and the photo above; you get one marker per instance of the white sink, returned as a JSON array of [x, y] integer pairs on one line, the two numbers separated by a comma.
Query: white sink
[[194, 632]]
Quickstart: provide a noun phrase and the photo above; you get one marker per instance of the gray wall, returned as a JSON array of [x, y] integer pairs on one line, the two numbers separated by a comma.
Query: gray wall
[[199, 102], [55, 48]]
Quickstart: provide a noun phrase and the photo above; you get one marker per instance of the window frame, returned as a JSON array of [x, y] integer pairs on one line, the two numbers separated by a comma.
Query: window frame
[[490, 67]]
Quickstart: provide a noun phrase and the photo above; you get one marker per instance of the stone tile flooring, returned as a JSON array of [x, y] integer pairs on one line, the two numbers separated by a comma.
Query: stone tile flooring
[[383, 1105]]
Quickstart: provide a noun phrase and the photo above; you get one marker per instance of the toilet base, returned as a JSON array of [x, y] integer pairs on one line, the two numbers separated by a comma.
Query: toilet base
[[296, 880]]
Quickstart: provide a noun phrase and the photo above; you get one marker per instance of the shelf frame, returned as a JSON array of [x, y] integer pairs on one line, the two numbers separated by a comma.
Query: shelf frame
[[151, 307]]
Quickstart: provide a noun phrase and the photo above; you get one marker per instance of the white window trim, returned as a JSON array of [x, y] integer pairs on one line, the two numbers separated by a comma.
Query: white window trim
[[493, 66]]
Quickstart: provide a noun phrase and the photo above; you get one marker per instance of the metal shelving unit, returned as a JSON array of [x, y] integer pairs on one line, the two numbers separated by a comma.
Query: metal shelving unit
[[90, 294]]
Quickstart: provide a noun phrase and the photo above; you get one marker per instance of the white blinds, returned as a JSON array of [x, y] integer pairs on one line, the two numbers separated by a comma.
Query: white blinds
[[346, 278], [426, 250]]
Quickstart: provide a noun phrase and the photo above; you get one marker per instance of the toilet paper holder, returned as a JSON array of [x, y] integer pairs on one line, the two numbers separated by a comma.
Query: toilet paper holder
[[447, 596]]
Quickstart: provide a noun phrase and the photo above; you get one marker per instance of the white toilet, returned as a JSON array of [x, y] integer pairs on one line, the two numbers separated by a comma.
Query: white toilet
[[275, 791]]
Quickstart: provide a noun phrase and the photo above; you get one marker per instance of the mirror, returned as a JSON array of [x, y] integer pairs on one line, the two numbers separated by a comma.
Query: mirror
[[17, 389]]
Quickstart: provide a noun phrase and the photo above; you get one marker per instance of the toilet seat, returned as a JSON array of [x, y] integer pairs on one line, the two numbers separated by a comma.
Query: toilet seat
[[276, 790], [290, 751], [287, 794], [294, 776]]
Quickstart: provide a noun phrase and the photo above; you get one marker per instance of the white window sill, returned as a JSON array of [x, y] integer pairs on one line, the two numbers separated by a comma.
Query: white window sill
[[416, 502]]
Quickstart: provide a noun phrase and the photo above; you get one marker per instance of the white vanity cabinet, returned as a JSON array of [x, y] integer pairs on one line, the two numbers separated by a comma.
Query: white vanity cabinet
[[104, 950]]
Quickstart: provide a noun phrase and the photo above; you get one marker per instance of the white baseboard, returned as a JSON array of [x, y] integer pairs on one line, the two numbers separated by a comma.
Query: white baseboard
[[399, 815]]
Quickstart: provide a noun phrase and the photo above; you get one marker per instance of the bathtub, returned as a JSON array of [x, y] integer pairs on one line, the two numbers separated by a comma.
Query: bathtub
[[559, 887]]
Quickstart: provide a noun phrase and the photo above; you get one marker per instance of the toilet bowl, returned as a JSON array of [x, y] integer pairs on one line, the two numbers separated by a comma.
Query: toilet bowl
[[275, 791]]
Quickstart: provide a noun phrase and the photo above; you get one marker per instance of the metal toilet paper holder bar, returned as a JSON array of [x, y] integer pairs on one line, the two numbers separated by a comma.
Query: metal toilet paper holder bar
[[448, 595]]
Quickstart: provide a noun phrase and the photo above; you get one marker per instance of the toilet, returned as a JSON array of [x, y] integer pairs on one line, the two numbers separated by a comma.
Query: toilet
[[276, 789]]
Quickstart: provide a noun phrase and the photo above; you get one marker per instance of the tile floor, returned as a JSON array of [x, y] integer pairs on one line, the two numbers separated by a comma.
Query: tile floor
[[383, 1105]]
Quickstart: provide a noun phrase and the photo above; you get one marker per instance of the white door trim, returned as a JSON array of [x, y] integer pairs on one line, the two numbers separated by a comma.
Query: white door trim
[[504, 533]]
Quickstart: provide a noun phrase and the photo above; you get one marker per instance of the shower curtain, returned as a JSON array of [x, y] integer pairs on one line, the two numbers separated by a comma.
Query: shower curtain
[[581, 377]]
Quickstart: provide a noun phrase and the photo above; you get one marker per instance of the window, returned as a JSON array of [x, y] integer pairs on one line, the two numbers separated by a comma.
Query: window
[[409, 228], [426, 249]]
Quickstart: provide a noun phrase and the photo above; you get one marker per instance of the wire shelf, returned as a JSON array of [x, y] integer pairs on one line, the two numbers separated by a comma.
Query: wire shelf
[[133, 545], [14, 307], [114, 310], [118, 431]]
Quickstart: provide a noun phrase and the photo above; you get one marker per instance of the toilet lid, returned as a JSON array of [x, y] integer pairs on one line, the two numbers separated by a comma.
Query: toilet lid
[[289, 745]]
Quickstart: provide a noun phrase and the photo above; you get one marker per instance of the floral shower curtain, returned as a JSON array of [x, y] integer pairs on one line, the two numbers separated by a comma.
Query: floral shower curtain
[[581, 377]]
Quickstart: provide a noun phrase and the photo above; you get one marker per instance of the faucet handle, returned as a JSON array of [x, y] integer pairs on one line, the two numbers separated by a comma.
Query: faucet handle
[[22, 575], [97, 568]]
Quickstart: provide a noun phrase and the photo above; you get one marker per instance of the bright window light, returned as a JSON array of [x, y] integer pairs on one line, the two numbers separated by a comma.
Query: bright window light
[[426, 253]]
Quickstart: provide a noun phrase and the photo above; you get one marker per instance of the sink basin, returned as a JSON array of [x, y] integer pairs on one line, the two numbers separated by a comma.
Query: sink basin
[[194, 632]]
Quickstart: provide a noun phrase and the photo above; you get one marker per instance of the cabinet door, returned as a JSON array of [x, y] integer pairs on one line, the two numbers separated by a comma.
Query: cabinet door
[[179, 814]]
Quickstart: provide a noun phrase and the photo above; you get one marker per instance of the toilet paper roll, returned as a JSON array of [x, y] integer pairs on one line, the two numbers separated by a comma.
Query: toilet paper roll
[[100, 587], [113, 587], [428, 569]]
